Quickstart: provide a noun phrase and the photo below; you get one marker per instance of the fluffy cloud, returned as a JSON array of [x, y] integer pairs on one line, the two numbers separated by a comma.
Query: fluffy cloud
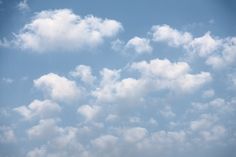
[[139, 45], [156, 75], [105, 141], [227, 57], [127, 89], [164, 33], [58, 87], [83, 72], [54, 30], [45, 129], [88, 111], [45, 108], [134, 134], [218, 52], [204, 45], [174, 76]]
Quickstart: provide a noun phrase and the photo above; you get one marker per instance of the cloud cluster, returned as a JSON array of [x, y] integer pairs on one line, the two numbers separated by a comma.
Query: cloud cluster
[[158, 106]]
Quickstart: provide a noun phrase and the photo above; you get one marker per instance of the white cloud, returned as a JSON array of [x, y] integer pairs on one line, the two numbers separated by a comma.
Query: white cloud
[[58, 87], [23, 5], [227, 55], [105, 142], [7, 135], [135, 134], [139, 45], [58, 30], [217, 52], [174, 76], [204, 45], [164, 33], [88, 111], [45, 108], [112, 89], [128, 89], [83, 72], [46, 128]]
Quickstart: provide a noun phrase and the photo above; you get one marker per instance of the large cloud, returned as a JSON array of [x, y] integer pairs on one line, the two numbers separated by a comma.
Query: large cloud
[[55, 30]]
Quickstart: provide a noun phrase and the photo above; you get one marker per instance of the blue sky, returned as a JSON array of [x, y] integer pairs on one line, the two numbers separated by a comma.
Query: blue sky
[[117, 78]]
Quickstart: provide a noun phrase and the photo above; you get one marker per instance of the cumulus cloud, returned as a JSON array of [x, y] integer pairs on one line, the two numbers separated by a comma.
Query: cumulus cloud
[[88, 111], [134, 134], [164, 33], [204, 45], [217, 52], [46, 128], [139, 45], [174, 76], [226, 57], [58, 30], [83, 72], [45, 108], [105, 142], [57, 87]]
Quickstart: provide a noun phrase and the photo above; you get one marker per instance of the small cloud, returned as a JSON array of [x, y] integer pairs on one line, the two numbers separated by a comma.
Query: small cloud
[[7, 80], [23, 5]]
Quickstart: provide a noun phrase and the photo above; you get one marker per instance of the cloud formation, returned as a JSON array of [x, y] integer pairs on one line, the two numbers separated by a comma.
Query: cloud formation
[[57, 87], [63, 30]]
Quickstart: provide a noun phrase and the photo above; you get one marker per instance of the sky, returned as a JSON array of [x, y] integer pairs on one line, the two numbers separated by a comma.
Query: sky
[[83, 78]]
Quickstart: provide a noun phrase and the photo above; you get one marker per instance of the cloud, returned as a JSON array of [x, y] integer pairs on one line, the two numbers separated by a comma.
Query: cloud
[[57, 87], [139, 45], [215, 133], [167, 112], [127, 89], [204, 122], [7, 135], [88, 111], [208, 93], [23, 5], [135, 134], [164, 33], [46, 128], [204, 45], [105, 142], [155, 75], [63, 30], [174, 76], [43, 109], [83, 72], [37, 152], [217, 52], [227, 57]]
